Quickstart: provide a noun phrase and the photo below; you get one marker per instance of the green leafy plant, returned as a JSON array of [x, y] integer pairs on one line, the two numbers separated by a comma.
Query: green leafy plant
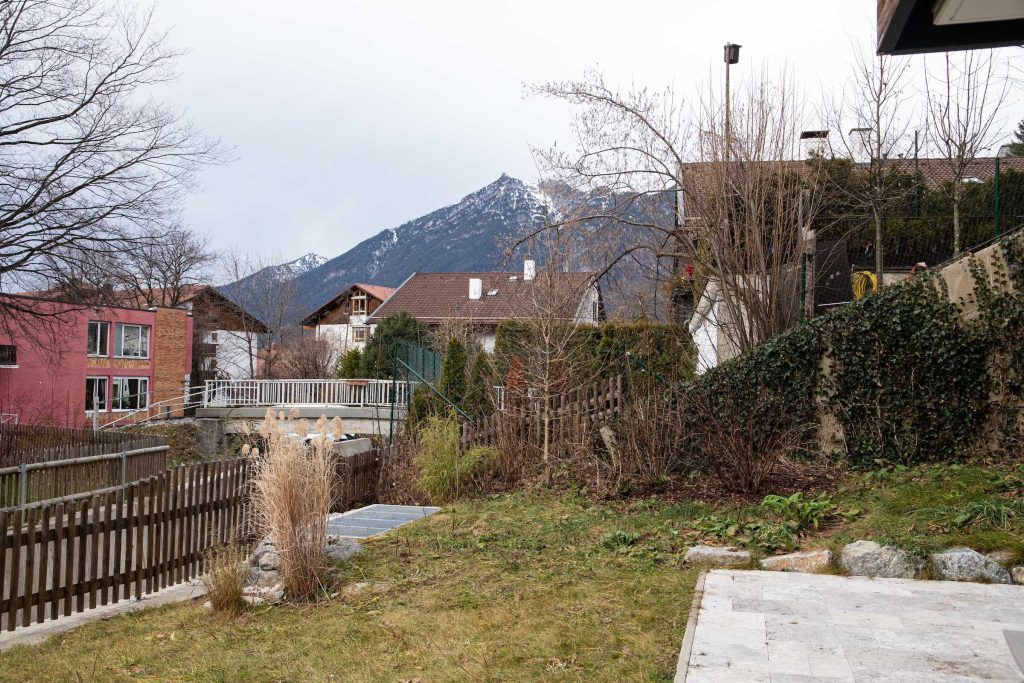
[[806, 512], [619, 540], [446, 471]]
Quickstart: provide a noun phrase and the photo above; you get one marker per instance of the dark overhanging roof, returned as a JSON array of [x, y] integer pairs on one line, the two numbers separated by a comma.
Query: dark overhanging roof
[[907, 27]]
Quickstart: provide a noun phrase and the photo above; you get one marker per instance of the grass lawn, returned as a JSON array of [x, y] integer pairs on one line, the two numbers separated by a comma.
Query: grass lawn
[[513, 588], [527, 587]]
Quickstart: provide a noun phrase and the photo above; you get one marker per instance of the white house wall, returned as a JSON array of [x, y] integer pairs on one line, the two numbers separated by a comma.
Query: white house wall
[[234, 352]]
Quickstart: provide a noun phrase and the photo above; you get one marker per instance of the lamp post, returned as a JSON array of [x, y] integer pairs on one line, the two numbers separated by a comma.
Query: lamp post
[[732, 56]]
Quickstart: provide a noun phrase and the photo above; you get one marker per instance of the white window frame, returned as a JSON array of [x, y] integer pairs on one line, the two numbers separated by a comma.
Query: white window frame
[[119, 329], [363, 300], [98, 353], [105, 406], [122, 383]]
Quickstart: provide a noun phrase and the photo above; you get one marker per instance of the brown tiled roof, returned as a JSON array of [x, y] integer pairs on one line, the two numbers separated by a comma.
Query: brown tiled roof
[[378, 292], [702, 177], [435, 297]]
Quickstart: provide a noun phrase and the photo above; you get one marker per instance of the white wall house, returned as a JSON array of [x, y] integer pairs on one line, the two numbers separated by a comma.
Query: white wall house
[[231, 354], [344, 319]]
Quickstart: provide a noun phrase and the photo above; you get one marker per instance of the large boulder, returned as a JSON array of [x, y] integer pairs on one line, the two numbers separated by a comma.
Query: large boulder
[[809, 561], [340, 549], [867, 558], [716, 557], [964, 564], [1018, 575]]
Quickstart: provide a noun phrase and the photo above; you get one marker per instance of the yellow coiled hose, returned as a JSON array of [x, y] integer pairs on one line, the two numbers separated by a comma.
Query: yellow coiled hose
[[861, 280]]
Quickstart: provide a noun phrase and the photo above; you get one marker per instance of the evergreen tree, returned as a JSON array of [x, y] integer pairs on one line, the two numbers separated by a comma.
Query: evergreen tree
[[453, 372], [1017, 146], [349, 366], [376, 360], [480, 387]]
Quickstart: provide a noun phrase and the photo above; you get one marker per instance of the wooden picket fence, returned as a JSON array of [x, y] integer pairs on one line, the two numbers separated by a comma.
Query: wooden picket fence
[[35, 443], [46, 480], [573, 415], [67, 556], [357, 477]]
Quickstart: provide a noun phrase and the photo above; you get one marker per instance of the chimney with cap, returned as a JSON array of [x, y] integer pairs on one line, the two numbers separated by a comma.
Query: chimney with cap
[[529, 269]]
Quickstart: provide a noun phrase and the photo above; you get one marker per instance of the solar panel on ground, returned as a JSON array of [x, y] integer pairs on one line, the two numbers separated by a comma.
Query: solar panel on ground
[[375, 519]]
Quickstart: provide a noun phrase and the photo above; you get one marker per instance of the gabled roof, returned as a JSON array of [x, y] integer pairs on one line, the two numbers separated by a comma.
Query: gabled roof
[[378, 292], [435, 297]]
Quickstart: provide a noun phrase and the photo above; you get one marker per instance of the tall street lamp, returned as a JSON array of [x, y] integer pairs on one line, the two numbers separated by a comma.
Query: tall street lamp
[[732, 56]]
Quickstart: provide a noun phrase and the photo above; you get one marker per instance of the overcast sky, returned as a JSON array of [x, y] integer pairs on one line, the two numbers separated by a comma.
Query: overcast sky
[[350, 117]]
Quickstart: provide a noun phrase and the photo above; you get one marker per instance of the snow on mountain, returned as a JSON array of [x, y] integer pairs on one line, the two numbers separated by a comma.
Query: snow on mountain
[[471, 234]]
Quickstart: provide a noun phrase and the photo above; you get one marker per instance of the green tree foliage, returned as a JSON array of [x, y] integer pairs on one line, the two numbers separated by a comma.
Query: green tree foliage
[[453, 371], [349, 367], [1017, 146], [479, 401], [611, 349], [376, 361]]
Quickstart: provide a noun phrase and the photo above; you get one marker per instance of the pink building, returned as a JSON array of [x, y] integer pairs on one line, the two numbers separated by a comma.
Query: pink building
[[75, 359]]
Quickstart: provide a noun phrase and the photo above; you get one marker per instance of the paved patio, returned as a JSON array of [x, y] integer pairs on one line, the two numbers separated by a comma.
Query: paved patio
[[781, 627], [375, 519]]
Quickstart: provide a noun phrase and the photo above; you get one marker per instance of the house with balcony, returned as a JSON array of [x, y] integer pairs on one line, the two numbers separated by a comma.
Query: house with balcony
[[344, 320], [69, 364]]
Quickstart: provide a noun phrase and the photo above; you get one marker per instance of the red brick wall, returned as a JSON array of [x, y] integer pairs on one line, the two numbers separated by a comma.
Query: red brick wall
[[172, 356]]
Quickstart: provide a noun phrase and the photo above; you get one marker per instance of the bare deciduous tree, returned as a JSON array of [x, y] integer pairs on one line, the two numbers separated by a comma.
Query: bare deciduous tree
[[870, 119], [308, 357], [88, 163], [965, 93], [268, 299], [739, 224]]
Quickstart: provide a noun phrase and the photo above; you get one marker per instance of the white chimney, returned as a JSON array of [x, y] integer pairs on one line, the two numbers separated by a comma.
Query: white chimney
[[814, 143], [529, 269], [860, 145], [476, 288]]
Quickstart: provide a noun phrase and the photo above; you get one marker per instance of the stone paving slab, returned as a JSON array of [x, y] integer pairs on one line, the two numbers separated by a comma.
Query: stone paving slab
[[375, 519], [781, 626]]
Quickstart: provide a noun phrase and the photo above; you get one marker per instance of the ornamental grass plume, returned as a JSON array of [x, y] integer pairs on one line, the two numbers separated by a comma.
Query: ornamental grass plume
[[291, 500]]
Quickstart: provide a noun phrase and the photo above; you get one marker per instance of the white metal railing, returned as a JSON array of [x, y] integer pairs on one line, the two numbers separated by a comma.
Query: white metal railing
[[236, 393]]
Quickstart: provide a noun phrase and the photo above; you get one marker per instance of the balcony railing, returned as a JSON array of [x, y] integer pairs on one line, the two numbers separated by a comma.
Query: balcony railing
[[237, 393]]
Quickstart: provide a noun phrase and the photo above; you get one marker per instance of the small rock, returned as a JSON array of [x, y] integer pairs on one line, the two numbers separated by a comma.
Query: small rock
[[339, 549], [867, 558], [716, 557], [1002, 557], [271, 594], [1018, 574], [964, 564], [810, 561], [354, 589], [253, 600], [269, 561], [207, 605]]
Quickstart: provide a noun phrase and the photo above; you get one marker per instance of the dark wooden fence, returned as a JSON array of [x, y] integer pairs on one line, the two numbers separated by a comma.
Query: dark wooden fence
[[357, 477], [40, 481], [105, 546], [32, 443], [572, 417]]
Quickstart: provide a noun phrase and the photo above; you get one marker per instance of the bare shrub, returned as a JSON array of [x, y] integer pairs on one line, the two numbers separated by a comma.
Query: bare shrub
[[227, 569], [653, 434], [291, 501], [742, 440], [308, 358]]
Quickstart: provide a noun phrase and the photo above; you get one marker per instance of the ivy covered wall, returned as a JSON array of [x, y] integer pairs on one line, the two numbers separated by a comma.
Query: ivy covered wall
[[909, 374]]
